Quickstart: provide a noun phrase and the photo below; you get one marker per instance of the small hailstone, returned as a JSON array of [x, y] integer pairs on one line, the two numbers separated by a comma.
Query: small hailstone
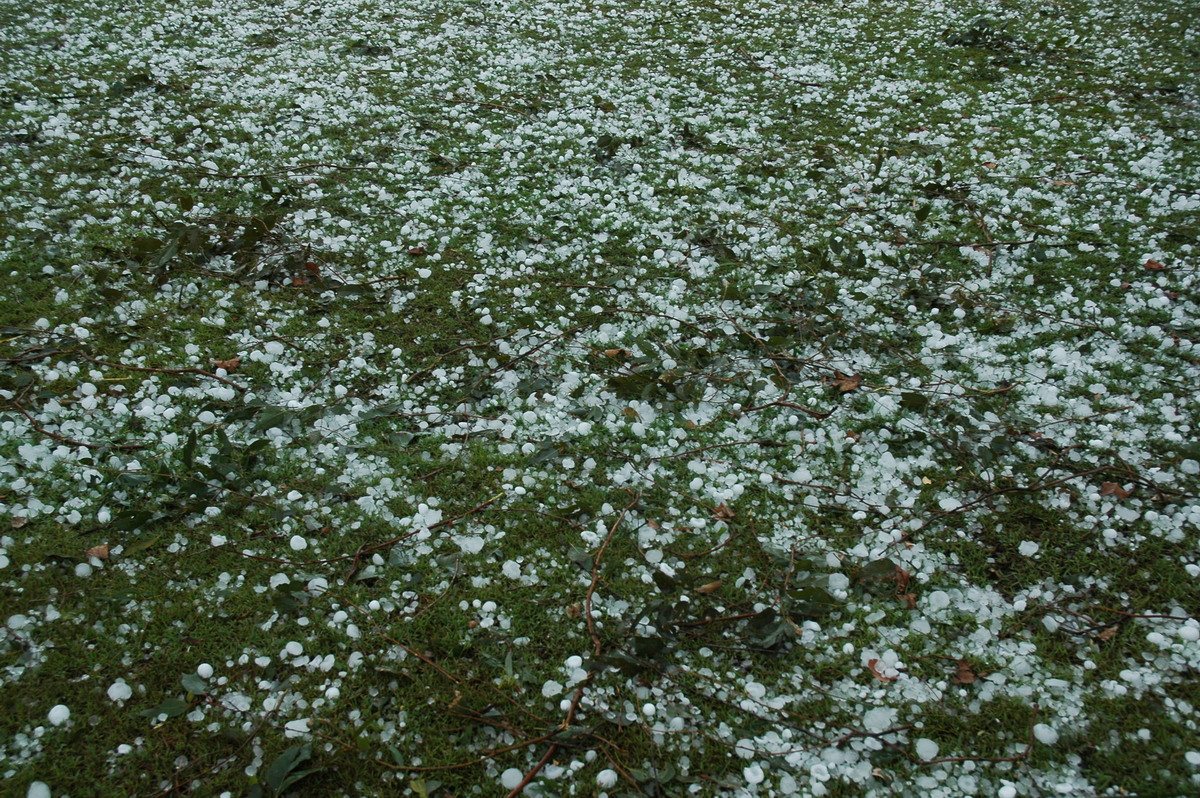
[[510, 778], [1193, 758], [926, 749], [16, 622], [298, 543], [753, 774], [755, 690], [39, 789], [551, 689], [1007, 791], [1045, 734], [294, 648], [606, 778], [119, 691], [1028, 548], [950, 504], [59, 714], [83, 570], [649, 709], [204, 670]]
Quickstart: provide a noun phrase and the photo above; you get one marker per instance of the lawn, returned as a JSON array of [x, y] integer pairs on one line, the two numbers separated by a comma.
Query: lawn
[[598, 398]]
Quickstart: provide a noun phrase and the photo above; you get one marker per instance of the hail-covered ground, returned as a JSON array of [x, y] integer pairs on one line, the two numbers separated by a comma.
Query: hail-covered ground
[[677, 397]]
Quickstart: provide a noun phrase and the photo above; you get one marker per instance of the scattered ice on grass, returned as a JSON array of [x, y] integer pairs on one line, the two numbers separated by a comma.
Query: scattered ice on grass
[[59, 714]]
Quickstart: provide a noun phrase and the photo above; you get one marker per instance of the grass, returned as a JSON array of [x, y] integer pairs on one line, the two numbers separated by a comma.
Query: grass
[[673, 398]]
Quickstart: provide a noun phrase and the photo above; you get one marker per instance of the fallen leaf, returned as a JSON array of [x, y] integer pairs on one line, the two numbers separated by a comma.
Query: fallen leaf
[[18, 521], [1153, 265], [99, 552], [1062, 183], [902, 578], [909, 600], [574, 610], [846, 382], [876, 667], [964, 674], [229, 365], [711, 587], [990, 164], [615, 353], [416, 251], [298, 281], [1108, 634], [722, 512], [629, 412], [1113, 489]]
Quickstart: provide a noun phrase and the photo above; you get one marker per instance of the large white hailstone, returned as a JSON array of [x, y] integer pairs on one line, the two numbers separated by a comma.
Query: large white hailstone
[[296, 728], [59, 714], [298, 543], [926, 749], [1045, 734], [606, 778], [510, 778], [204, 670], [551, 689], [753, 774], [39, 789], [1028, 548], [1007, 791], [119, 691]]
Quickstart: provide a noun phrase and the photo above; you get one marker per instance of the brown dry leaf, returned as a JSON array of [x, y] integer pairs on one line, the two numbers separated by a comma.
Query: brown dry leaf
[[416, 251], [1108, 634], [876, 667], [1062, 182], [616, 353], [846, 382], [722, 512], [1113, 489], [229, 365], [909, 600], [99, 552], [711, 587], [990, 164], [902, 579], [574, 610], [18, 521], [650, 522], [964, 674], [629, 412], [1153, 265]]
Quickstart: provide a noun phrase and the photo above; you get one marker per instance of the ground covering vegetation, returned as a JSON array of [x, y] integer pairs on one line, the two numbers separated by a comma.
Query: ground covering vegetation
[[586, 397]]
